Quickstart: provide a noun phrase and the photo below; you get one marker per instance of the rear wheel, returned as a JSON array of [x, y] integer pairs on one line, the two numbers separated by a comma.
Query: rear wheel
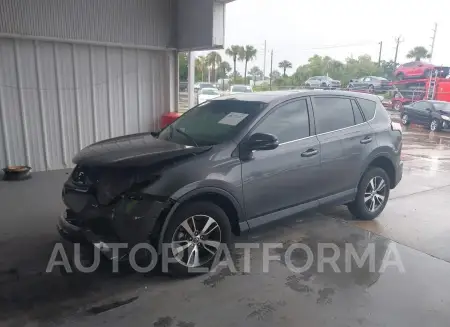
[[372, 194], [195, 234], [371, 89]]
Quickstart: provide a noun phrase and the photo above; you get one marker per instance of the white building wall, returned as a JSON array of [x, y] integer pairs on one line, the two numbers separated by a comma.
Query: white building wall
[[56, 98]]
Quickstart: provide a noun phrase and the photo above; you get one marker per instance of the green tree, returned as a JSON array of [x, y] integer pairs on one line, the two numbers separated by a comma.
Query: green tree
[[255, 72], [234, 52], [247, 54], [183, 66], [213, 59], [418, 53], [285, 64], [274, 75], [224, 69], [201, 66]]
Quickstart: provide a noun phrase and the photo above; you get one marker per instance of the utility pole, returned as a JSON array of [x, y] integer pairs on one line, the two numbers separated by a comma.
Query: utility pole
[[433, 38], [265, 52], [379, 55], [397, 40], [271, 65]]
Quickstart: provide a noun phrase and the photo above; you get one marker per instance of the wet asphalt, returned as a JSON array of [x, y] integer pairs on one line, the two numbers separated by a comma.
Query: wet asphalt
[[413, 231]]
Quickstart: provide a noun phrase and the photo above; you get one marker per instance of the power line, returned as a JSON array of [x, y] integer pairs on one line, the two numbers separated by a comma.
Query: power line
[[339, 46]]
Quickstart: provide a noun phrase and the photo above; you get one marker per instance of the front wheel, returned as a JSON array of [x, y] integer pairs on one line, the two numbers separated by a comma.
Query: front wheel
[[435, 125], [405, 119], [195, 235], [371, 89], [372, 194]]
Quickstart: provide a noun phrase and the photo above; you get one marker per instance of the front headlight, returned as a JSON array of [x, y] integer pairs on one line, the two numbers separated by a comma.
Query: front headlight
[[444, 117]]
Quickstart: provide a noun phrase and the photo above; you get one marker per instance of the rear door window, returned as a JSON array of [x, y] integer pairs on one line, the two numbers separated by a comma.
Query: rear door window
[[359, 119], [368, 107], [332, 113]]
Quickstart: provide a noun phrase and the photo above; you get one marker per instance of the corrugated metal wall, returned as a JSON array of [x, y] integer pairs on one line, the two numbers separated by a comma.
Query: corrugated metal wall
[[56, 98], [132, 22]]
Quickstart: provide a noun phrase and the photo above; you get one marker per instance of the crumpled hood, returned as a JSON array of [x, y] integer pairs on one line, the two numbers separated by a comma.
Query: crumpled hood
[[133, 150]]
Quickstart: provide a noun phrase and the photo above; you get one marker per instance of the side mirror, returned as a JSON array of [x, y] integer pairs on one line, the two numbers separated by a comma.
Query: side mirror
[[262, 141]]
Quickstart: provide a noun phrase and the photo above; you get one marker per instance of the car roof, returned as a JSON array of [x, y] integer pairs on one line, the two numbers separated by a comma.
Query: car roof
[[210, 88], [270, 96]]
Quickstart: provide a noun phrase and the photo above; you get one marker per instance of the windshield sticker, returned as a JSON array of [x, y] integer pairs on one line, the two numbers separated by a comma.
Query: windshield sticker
[[233, 118]]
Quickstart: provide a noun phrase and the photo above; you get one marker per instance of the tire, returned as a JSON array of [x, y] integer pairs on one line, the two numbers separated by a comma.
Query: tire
[[371, 89], [201, 212], [435, 125], [324, 85], [361, 209], [400, 76], [405, 119]]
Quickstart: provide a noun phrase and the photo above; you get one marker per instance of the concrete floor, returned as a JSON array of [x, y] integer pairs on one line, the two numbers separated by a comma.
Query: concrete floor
[[414, 223]]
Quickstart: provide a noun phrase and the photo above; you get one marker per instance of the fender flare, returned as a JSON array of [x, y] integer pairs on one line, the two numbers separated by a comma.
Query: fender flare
[[189, 195]]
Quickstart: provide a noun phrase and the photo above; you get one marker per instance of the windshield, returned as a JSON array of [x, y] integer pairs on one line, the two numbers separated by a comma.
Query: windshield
[[212, 122], [442, 106], [241, 88], [209, 92]]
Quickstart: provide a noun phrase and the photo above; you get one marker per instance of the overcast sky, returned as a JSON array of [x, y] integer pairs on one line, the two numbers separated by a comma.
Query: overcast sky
[[297, 29]]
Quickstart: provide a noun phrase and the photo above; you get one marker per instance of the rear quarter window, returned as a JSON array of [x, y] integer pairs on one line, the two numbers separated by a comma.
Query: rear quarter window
[[368, 108]]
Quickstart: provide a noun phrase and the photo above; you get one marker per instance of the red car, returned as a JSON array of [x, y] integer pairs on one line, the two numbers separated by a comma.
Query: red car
[[414, 69]]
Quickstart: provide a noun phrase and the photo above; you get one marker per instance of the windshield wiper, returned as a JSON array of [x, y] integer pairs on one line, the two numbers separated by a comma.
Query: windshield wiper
[[190, 138]]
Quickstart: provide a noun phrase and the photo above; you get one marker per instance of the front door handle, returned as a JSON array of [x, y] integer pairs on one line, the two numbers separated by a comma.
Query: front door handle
[[366, 140], [310, 153]]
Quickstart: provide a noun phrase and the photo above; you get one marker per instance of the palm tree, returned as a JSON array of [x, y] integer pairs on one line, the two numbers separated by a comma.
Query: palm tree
[[213, 58], [255, 72], [418, 53], [201, 65], [285, 64], [224, 68], [234, 51], [247, 54]]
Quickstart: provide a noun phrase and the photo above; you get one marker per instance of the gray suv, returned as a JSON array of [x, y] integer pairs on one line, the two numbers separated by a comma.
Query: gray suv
[[230, 165]]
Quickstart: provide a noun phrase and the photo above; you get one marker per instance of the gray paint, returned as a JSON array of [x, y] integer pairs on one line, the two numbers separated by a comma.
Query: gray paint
[[56, 98], [131, 22]]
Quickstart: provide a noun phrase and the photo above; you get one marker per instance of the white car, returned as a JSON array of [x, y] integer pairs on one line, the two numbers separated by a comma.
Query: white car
[[240, 89], [207, 94]]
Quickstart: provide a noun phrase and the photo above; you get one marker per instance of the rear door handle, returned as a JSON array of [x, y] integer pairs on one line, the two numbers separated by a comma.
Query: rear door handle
[[310, 153], [366, 140]]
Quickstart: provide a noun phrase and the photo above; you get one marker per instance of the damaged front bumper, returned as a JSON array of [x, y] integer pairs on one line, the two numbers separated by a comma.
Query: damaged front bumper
[[129, 222]]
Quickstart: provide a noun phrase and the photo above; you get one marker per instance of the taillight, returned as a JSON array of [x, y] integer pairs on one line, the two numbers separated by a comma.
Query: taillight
[[396, 126]]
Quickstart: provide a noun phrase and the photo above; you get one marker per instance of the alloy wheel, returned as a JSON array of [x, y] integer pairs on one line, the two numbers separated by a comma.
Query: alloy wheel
[[196, 241], [375, 193], [434, 125], [405, 119]]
